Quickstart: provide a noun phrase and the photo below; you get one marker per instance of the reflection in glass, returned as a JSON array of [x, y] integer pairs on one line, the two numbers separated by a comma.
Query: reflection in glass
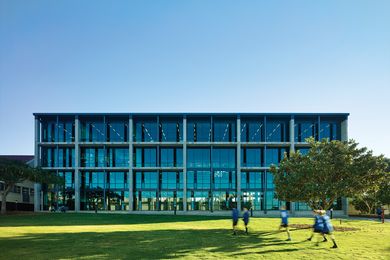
[[252, 157], [251, 180], [118, 157], [145, 130], [305, 129], [170, 130], [275, 155], [199, 130], [117, 130], [224, 130], [92, 130], [277, 131], [198, 200], [171, 157], [224, 179], [198, 158], [145, 157], [330, 130], [224, 158], [92, 157], [252, 130]]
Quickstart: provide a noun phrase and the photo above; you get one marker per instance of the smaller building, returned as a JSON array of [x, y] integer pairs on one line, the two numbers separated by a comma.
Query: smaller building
[[21, 198]]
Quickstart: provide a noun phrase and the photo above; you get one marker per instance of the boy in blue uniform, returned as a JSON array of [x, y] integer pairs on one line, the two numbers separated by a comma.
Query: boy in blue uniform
[[245, 218], [235, 214], [284, 224], [318, 225], [328, 228]]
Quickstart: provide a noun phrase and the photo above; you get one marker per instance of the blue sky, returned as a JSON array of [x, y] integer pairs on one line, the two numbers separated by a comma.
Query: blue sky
[[195, 56]]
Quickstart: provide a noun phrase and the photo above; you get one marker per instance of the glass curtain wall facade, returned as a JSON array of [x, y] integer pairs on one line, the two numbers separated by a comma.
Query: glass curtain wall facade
[[167, 162]]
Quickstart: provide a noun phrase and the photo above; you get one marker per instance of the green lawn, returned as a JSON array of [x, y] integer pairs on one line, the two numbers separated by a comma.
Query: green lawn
[[119, 236]]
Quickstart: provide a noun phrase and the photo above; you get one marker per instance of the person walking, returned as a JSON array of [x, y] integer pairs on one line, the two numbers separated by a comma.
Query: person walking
[[318, 226], [284, 223], [245, 218], [328, 228], [235, 214]]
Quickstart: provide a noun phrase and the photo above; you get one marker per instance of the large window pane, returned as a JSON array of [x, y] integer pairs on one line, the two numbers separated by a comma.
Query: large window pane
[[277, 130], [275, 155], [169, 180], [92, 130], [330, 130], [271, 202], [305, 129], [251, 180], [66, 157], [49, 130], [146, 200], [224, 158], [199, 130], [118, 157], [270, 180], [198, 200], [146, 130], [145, 157], [146, 180], [252, 157], [223, 200], [224, 130], [117, 180], [224, 179], [92, 157], [253, 199], [117, 130], [66, 130], [198, 158], [252, 130], [171, 129], [171, 157]]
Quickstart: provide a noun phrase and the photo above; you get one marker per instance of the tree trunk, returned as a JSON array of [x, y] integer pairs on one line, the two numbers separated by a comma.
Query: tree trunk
[[3, 203], [4, 199]]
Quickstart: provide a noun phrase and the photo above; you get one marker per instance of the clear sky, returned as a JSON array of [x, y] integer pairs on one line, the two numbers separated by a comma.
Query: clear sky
[[195, 56]]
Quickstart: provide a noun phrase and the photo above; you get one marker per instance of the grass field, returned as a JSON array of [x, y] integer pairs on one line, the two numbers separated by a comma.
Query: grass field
[[119, 236]]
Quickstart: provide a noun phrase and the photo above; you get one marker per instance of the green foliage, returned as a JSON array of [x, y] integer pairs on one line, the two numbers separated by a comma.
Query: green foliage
[[330, 170], [12, 172]]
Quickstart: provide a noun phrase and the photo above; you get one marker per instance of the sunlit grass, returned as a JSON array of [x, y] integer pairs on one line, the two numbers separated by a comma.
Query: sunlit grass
[[118, 236]]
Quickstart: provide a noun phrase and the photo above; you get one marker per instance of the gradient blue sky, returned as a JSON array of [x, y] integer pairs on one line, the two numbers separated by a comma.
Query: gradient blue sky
[[195, 56]]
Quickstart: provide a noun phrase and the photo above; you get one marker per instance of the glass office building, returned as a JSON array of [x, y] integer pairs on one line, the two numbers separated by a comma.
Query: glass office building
[[167, 161]]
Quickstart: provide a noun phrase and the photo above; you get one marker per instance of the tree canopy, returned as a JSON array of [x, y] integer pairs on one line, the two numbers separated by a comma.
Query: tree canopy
[[13, 172], [331, 169]]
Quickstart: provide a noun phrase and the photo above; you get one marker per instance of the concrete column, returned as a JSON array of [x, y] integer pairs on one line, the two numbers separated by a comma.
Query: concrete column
[[344, 130], [184, 163], [76, 164], [292, 149], [238, 162], [130, 178], [344, 137], [37, 186]]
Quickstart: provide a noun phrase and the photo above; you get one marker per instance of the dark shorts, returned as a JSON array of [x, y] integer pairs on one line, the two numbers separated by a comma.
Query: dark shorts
[[246, 223], [284, 225], [235, 222], [317, 231]]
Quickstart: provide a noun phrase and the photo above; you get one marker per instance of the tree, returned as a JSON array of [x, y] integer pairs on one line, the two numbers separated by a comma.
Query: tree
[[384, 190], [330, 170], [13, 172], [374, 195]]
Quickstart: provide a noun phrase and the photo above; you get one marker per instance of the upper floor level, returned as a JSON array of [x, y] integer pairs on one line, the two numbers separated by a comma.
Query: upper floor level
[[188, 127]]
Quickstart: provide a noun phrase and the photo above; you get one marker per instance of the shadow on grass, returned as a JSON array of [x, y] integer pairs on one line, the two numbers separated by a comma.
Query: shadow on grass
[[70, 219], [154, 244]]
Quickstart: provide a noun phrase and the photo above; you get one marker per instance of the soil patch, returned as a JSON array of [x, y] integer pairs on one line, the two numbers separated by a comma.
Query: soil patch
[[336, 228]]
